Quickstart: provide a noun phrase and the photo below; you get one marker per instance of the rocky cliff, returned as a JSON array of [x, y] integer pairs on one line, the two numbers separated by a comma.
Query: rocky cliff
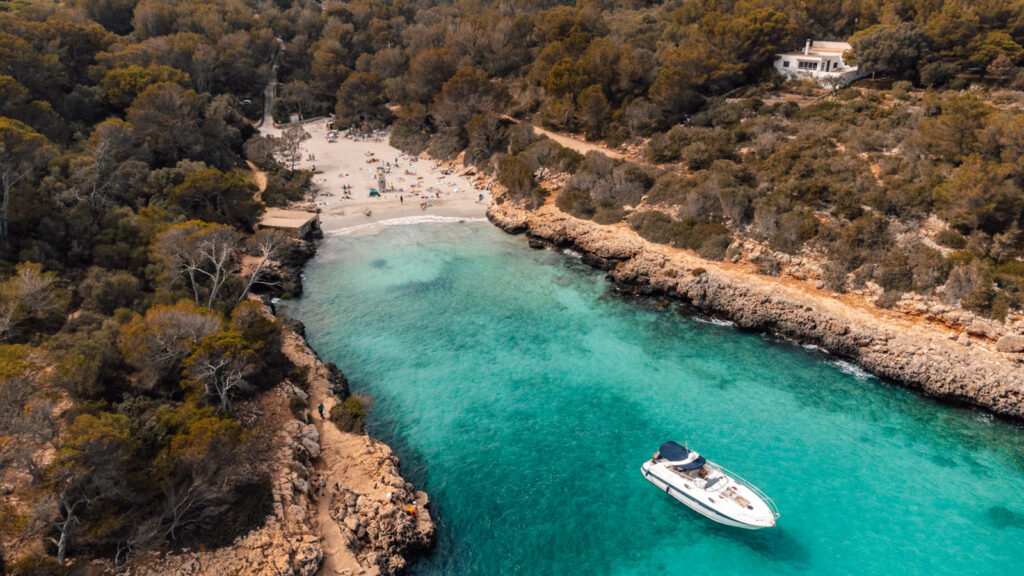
[[370, 519], [954, 363]]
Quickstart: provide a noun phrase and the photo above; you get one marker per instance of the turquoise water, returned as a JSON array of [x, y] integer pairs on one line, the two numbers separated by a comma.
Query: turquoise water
[[523, 394]]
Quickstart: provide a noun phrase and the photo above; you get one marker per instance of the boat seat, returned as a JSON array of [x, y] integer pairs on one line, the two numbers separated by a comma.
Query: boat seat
[[712, 482]]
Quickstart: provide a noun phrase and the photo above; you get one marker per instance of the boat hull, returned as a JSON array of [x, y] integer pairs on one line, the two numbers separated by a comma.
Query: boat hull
[[694, 504]]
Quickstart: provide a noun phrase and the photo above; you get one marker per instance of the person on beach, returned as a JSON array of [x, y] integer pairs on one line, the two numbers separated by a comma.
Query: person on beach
[[321, 409], [401, 199]]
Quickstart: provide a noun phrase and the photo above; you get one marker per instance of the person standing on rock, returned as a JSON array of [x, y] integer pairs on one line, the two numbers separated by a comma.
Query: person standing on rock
[[321, 409]]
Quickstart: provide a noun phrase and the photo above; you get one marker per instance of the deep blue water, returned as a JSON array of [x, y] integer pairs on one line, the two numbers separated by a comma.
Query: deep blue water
[[523, 394]]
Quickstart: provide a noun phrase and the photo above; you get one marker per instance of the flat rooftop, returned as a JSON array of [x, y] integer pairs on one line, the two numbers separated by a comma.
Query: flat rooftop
[[287, 219], [820, 48]]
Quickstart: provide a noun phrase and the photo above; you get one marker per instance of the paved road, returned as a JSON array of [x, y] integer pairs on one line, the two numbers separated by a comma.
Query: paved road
[[270, 92]]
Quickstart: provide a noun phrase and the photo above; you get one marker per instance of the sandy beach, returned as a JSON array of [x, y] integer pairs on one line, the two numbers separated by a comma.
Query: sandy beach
[[418, 189]]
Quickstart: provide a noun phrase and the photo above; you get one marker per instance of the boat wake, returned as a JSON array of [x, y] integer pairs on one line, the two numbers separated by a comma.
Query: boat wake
[[405, 221]]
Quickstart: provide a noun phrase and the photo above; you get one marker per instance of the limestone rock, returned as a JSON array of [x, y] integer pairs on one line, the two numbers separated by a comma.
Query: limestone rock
[[337, 382], [1010, 344], [922, 357]]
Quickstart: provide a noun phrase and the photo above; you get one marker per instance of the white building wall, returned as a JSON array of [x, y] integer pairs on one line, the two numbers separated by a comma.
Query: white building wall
[[837, 73]]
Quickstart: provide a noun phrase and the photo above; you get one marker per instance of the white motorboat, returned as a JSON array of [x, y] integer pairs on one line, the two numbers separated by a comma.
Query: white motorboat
[[709, 489]]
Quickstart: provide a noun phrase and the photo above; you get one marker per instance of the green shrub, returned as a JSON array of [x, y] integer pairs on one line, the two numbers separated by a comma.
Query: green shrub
[[661, 149], [286, 186], [929, 268], [714, 247], [576, 201], [698, 271], [951, 238], [11, 523], [299, 406], [520, 136], [605, 214], [834, 275], [299, 375], [861, 240], [1000, 307], [516, 175], [901, 89], [986, 301], [548, 154], [669, 189], [37, 565], [104, 291], [895, 274], [962, 257], [348, 415], [661, 228]]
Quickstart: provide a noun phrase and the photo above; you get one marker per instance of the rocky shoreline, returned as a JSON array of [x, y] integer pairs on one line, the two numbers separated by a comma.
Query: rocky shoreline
[[370, 519], [960, 365]]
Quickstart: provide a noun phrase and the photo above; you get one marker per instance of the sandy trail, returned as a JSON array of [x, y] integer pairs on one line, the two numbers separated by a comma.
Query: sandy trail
[[259, 178], [572, 142], [581, 146], [336, 454]]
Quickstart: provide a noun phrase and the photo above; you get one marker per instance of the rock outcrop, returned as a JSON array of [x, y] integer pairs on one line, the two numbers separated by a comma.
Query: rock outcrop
[[382, 533], [957, 365], [371, 520]]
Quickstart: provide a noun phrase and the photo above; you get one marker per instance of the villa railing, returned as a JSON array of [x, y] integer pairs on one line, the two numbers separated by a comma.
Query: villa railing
[[752, 488]]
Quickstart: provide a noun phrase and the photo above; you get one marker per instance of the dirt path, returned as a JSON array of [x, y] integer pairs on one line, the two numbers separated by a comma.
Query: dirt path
[[334, 452], [353, 462], [259, 178], [571, 142], [581, 146]]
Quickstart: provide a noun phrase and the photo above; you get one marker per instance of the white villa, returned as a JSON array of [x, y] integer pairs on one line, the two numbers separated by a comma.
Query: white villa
[[821, 61]]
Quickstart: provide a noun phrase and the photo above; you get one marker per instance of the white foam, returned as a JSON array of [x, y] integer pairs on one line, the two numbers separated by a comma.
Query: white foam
[[847, 367], [814, 348], [406, 221], [572, 254], [715, 321]]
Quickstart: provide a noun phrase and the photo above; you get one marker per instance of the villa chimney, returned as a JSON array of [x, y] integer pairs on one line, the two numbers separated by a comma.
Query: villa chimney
[[807, 47]]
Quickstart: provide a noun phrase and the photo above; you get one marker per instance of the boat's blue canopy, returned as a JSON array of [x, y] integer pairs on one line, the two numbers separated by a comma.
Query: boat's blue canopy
[[673, 452], [700, 461]]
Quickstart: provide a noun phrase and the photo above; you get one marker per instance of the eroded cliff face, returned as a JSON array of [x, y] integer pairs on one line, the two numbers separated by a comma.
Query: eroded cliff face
[[973, 366]]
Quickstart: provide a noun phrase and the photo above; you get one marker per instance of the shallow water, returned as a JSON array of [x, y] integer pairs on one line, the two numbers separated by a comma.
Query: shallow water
[[523, 394]]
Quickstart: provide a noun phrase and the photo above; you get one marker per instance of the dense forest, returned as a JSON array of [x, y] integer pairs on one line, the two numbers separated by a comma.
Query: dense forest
[[126, 334]]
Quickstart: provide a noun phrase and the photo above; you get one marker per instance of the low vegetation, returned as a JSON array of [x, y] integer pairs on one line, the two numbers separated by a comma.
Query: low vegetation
[[348, 415], [127, 245]]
